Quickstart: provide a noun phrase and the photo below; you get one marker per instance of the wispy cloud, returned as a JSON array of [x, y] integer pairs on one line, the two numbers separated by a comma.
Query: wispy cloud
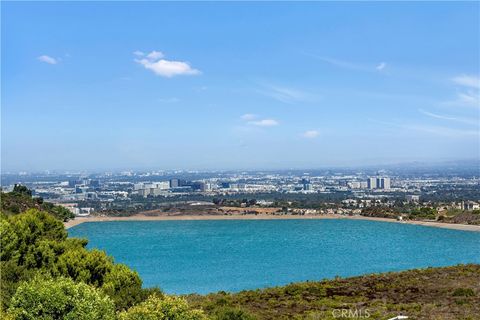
[[155, 62], [469, 98], [286, 94], [448, 117], [442, 131], [343, 64], [48, 59], [430, 129], [169, 100], [468, 93], [351, 65], [154, 55], [467, 81], [248, 117], [264, 123], [251, 119], [310, 134], [465, 99], [381, 66]]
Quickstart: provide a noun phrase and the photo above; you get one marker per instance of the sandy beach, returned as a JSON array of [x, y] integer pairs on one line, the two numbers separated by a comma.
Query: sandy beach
[[142, 217]]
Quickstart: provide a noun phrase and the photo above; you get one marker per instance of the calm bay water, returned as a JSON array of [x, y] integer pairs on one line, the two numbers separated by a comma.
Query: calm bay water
[[208, 256]]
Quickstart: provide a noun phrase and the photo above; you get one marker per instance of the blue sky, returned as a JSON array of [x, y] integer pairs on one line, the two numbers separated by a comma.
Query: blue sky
[[88, 86]]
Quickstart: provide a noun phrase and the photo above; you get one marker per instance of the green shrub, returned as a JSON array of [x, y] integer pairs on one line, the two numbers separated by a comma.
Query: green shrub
[[162, 308], [464, 292], [229, 313], [123, 285], [61, 298]]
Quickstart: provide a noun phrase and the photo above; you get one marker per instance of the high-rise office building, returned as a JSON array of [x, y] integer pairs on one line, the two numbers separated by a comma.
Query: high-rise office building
[[306, 184], [225, 185], [378, 183], [372, 183], [174, 183], [162, 185], [385, 183]]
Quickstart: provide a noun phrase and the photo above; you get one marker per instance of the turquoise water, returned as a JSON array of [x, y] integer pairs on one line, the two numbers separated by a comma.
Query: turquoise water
[[208, 256]]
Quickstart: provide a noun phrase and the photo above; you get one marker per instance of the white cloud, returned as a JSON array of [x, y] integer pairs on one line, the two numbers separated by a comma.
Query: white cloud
[[138, 53], [166, 68], [251, 119], [201, 88], [381, 66], [48, 59], [286, 95], [467, 81], [310, 134], [465, 99], [442, 131], [469, 98], [341, 63], [264, 123], [447, 117], [350, 65], [169, 100], [469, 94], [155, 55], [248, 117], [432, 130]]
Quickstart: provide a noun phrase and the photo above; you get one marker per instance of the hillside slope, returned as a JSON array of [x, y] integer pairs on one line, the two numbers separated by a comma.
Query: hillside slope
[[433, 293], [21, 200]]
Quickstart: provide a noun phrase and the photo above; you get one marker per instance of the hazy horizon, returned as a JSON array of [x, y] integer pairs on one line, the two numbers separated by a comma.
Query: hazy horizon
[[465, 164], [246, 86]]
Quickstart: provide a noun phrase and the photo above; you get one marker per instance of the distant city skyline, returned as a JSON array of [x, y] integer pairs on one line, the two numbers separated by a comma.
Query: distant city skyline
[[119, 85]]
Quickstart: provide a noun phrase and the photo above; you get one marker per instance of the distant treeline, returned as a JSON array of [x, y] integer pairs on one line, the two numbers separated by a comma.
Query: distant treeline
[[20, 200]]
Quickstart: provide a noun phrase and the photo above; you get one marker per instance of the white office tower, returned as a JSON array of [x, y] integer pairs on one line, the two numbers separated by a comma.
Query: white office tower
[[138, 186], [385, 183], [163, 185], [372, 183]]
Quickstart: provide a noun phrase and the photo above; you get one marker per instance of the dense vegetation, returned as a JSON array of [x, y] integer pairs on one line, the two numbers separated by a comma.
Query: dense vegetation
[[35, 244], [46, 275], [433, 293], [20, 200]]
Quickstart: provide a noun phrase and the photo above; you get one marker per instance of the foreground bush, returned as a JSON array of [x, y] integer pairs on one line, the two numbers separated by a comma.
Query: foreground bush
[[60, 298], [162, 308], [34, 242]]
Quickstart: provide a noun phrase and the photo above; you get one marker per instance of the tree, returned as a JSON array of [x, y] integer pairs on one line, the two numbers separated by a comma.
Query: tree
[[8, 240], [123, 285], [35, 242], [61, 298], [58, 212], [20, 200], [32, 227], [162, 308], [18, 188], [83, 265]]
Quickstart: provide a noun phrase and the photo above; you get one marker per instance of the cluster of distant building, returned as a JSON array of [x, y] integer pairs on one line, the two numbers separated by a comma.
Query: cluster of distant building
[[372, 183], [78, 211], [173, 185], [177, 186], [469, 205]]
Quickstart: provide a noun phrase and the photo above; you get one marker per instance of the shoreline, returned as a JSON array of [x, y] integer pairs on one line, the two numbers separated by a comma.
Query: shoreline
[[197, 217]]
